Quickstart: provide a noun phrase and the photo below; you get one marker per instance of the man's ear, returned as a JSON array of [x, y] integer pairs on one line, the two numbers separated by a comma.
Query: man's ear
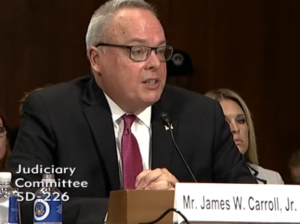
[[94, 57]]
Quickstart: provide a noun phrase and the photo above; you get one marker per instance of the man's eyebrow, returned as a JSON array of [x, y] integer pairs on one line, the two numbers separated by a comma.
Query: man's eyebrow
[[164, 42], [144, 42], [139, 40]]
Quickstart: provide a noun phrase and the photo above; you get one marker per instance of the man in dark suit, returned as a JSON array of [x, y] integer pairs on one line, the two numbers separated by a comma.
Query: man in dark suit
[[83, 124]]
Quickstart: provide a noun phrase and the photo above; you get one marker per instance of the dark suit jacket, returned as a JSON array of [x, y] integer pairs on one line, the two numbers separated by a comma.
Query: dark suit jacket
[[70, 125]]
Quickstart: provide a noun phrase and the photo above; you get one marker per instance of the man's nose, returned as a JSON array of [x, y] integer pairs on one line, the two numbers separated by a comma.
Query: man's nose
[[153, 61]]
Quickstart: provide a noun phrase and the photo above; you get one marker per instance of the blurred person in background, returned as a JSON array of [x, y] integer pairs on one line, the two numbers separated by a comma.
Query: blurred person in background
[[13, 132], [294, 166], [238, 116], [4, 143]]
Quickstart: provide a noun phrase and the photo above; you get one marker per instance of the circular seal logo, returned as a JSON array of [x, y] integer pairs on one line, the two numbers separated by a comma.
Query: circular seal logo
[[41, 209], [178, 59]]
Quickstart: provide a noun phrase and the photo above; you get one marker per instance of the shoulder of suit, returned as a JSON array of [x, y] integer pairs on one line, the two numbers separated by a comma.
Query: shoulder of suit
[[65, 88], [63, 95], [185, 95]]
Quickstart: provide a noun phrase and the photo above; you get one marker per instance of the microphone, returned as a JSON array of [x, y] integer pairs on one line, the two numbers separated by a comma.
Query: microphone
[[168, 126]]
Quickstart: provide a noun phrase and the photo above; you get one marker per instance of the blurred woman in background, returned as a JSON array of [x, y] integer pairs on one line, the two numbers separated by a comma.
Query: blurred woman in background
[[4, 142], [294, 166], [239, 119]]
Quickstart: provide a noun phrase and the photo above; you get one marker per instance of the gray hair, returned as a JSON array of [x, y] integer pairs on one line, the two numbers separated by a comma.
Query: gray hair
[[103, 15]]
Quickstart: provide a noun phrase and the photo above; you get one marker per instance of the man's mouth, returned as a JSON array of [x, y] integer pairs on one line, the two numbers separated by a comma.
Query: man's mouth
[[151, 81]]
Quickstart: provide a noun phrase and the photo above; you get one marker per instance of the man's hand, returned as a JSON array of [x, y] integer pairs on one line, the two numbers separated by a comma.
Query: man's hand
[[158, 179]]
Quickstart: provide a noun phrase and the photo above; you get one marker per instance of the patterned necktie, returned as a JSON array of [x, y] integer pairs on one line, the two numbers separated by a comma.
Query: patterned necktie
[[130, 154]]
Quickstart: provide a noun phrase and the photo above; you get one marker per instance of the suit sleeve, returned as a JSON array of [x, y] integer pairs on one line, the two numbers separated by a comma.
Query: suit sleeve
[[36, 145], [229, 164]]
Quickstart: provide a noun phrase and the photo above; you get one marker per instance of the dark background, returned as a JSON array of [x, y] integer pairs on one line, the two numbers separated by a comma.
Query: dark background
[[250, 46]]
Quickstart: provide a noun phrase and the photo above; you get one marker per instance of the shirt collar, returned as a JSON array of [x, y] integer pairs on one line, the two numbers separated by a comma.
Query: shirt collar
[[117, 112]]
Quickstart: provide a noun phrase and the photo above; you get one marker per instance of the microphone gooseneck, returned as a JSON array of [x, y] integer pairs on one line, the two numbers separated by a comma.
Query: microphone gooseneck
[[168, 125]]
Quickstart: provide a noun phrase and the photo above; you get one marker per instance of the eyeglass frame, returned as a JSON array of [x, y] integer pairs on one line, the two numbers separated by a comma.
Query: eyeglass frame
[[132, 46], [3, 131]]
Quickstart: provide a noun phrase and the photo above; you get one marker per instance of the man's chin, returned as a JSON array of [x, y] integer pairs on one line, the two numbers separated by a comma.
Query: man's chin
[[150, 100]]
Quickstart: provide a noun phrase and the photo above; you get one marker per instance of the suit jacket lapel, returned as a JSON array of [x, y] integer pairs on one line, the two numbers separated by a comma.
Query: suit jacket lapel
[[163, 148], [98, 115]]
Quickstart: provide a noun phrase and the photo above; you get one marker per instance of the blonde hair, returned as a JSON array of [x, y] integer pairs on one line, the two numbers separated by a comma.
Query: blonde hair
[[222, 94]]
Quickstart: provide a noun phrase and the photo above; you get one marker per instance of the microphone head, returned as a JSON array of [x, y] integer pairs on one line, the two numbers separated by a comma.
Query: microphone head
[[165, 118]]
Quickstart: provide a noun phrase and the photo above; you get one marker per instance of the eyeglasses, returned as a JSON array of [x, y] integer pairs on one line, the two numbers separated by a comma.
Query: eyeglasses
[[142, 53], [2, 131]]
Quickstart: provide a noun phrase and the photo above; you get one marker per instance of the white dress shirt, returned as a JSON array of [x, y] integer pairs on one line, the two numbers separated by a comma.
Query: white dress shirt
[[141, 129]]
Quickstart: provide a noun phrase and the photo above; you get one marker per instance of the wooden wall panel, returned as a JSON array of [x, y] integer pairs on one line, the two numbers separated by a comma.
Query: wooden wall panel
[[42, 42]]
